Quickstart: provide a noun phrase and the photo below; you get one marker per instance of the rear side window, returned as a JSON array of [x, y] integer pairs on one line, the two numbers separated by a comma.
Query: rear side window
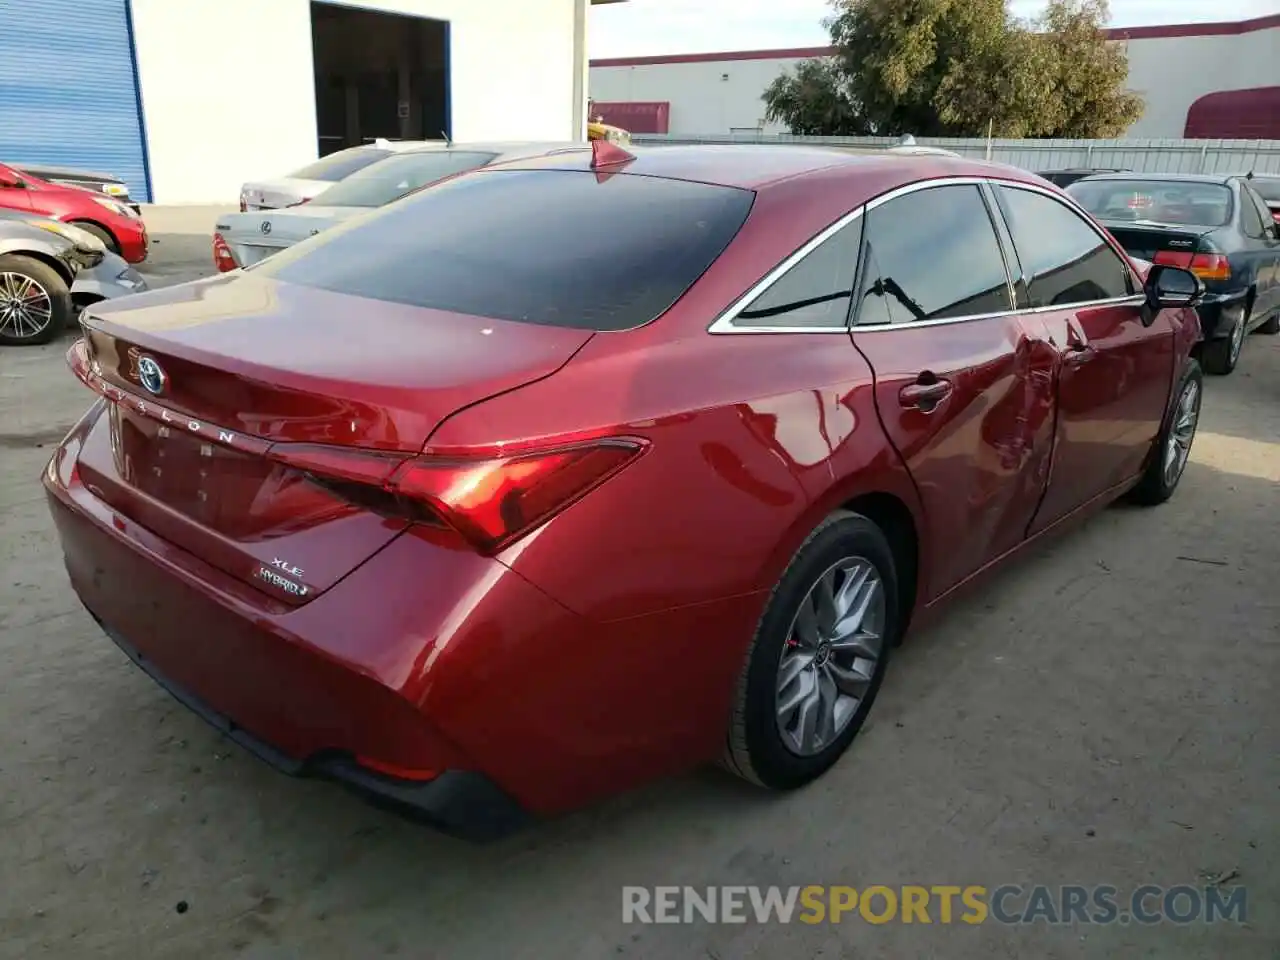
[[816, 292], [1251, 214], [1064, 259], [393, 177], [559, 247], [338, 166], [932, 255]]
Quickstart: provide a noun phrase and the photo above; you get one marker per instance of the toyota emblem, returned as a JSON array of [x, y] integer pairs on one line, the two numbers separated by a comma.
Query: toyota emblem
[[266, 226], [151, 375]]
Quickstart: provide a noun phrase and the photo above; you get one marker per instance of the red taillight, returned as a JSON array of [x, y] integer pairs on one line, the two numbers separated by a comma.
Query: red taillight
[[1275, 215], [222, 258], [490, 501], [1206, 266]]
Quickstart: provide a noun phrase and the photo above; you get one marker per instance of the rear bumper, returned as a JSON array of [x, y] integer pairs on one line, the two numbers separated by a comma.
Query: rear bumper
[[463, 803], [1217, 313]]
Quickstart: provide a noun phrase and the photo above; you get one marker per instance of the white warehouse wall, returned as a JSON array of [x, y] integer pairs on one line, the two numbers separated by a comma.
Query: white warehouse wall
[[712, 96], [714, 93], [1172, 73], [228, 88]]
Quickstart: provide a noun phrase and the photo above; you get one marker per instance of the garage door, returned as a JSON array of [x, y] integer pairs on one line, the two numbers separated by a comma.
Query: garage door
[[68, 88]]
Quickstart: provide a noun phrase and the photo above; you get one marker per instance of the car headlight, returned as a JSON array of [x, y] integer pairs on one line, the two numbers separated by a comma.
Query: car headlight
[[115, 189], [115, 207], [81, 238]]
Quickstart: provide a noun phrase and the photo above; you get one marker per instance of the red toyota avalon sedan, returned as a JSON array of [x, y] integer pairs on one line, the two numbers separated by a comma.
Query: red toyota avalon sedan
[[496, 516]]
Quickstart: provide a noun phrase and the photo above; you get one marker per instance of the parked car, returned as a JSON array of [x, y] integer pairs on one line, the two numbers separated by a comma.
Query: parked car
[[318, 176], [491, 509], [1064, 178], [101, 274], [242, 239], [1267, 186], [104, 183], [119, 228], [38, 264], [1215, 226]]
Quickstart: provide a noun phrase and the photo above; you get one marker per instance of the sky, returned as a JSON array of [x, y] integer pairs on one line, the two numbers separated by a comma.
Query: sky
[[641, 28]]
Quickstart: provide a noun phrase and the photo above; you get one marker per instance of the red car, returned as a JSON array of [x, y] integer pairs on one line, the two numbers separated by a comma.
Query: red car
[[501, 514], [114, 223]]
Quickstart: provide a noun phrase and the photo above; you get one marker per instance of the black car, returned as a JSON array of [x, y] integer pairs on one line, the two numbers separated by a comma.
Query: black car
[[1267, 186], [105, 183], [1064, 178], [1215, 226]]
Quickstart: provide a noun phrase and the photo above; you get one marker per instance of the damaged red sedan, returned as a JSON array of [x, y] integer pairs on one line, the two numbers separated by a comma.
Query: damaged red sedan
[[497, 516]]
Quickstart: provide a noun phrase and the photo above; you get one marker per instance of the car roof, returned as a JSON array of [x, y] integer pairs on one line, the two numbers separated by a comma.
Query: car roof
[[505, 149], [756, 166], [1220, 179]]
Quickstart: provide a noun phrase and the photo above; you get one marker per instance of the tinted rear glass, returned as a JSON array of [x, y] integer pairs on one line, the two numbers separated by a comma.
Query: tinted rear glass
[[1160, 201], [382, 182], [340, 165], [537, 246], [1268, 190]]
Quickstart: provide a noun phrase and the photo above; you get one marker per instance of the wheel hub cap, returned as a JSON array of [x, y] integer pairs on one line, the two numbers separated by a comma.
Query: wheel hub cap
[[25, 307], [830, 658], [1186, 416]]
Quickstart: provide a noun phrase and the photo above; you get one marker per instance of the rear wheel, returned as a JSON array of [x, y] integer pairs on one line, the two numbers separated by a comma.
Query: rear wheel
[[102, 233], [35, 303], [818, 657], [1272, 326], [1173, 447], [1221, 355]]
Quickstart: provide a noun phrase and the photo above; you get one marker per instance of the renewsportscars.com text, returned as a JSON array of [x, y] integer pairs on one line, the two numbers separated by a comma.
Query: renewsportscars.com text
[[944, 904]]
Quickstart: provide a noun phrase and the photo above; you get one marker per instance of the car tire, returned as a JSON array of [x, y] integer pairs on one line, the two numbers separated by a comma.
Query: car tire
[[102, 233], [812, 664], [1220, 356], [1272, 326], [20, 278], [1172, 449]]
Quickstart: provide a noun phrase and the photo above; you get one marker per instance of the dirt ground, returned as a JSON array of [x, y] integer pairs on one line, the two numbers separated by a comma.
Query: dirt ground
[[1104, 713]]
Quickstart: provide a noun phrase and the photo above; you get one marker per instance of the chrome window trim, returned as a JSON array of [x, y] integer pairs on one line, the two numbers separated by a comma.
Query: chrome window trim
[[724, 324]]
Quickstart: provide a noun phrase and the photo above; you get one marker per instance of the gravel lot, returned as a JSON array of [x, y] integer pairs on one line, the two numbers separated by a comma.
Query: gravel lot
[[1105, 713]]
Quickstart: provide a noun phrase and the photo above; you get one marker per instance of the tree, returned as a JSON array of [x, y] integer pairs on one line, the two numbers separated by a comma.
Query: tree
[[956, 67], [812, 101]]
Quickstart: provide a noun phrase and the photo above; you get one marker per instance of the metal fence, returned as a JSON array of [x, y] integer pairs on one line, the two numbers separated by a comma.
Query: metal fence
[[1147, 156]]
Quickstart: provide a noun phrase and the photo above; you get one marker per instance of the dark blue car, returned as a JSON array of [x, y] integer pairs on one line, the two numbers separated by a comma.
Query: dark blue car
[[1217, 227]]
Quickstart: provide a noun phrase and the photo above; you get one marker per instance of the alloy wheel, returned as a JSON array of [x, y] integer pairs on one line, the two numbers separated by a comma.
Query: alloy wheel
[[830, 657], [26, 309], [1185, 418], [1237, 339]]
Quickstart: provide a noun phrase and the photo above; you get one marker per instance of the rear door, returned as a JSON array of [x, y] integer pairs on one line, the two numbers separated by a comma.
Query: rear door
[[1263, 251], [963, 386], [1114, 372]]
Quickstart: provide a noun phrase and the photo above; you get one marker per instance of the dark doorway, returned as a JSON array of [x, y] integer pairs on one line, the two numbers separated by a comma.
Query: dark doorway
[[378, 75]]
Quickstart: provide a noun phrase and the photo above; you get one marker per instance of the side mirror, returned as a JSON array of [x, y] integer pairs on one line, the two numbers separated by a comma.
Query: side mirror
[[1172, 287]]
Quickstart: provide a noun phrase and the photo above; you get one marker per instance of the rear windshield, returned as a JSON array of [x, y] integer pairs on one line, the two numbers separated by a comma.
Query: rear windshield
[[558, 247], [338, 166], [1268, 189], [1160, 201], [394, 177]]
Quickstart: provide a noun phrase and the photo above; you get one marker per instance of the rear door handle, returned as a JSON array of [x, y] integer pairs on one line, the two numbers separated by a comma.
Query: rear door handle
[[925, 394]]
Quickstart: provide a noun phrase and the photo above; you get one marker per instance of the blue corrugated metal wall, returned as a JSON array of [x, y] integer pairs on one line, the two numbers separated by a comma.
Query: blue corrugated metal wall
[[68, 88]]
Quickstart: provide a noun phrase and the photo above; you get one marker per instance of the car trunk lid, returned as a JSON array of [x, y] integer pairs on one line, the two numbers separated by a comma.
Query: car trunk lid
[[254, 236], [196, 460], [284, 192], [1144, 239]]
